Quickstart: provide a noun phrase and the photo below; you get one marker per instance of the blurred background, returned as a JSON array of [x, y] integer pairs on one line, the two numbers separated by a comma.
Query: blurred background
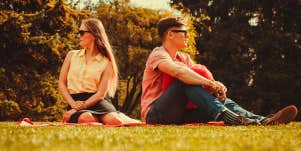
[[252, 46]]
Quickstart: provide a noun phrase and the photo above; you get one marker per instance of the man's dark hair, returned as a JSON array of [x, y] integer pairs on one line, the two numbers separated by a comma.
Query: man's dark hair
[[166, 23]]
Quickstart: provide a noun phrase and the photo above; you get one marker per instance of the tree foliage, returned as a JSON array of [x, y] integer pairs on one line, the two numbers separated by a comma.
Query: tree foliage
[[253, 46], [35, 36]]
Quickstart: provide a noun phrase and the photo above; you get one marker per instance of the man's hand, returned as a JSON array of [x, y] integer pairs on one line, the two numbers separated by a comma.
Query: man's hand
[[220, 90], [223, 87]]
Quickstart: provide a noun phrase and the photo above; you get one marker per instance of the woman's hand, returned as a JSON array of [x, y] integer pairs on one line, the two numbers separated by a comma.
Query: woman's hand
[[77, 105], [83, 105]]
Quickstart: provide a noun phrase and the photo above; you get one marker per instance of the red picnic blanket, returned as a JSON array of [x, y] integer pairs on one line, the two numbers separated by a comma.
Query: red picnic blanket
[[28, 122]]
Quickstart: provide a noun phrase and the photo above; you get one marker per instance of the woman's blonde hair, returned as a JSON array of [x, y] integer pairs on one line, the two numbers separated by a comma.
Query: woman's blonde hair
[[96, 27]]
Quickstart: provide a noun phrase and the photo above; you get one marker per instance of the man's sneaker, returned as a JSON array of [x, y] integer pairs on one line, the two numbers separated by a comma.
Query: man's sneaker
[[283, 116]]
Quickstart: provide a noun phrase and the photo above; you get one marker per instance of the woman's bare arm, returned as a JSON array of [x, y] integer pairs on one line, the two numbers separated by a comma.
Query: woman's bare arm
[[103, 87], [63, 82]]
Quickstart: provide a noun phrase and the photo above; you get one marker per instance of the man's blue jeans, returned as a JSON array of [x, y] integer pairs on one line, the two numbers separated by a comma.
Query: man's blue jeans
[[169, 108]]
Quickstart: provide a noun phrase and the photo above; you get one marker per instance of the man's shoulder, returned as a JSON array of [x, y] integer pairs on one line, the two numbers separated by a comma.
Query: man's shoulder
[[158, 51]]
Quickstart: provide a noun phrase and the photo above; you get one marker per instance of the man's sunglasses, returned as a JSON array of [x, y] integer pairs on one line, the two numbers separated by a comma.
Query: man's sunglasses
[[180, 31], [82, 32]]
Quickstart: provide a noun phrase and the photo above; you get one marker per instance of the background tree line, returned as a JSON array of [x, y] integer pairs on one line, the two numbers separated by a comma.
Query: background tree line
[[252, 46]]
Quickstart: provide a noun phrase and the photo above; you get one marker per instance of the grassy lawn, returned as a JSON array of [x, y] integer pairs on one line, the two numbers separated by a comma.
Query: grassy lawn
[[204, 138]]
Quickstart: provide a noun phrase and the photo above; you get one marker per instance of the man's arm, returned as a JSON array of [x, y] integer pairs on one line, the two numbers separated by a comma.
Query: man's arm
[[184, 74], [188, 76]]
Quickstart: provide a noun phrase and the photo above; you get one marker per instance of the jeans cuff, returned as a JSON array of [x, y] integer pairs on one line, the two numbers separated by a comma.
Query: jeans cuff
[[219, 113]]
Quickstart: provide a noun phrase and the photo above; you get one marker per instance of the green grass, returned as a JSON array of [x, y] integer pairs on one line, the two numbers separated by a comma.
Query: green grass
[[204, 138]]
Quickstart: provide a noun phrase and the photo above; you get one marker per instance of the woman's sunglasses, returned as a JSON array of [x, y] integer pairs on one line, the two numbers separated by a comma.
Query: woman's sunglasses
[[82, 32]]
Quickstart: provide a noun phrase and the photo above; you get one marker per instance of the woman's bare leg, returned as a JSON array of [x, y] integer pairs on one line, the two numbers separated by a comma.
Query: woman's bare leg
[[87, 117]]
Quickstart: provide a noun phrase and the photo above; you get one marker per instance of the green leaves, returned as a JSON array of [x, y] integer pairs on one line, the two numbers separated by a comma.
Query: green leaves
[[9, 110], [35, 36], [256, 62]]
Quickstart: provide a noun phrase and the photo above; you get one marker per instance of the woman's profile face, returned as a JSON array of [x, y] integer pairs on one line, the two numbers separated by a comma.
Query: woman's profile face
[[86, 38]]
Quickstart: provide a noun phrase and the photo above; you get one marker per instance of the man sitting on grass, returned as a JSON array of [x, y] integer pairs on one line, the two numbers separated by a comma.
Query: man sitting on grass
[[169, 106]]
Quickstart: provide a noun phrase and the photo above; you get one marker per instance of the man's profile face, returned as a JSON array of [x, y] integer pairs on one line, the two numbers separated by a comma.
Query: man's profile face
[[178, 36]]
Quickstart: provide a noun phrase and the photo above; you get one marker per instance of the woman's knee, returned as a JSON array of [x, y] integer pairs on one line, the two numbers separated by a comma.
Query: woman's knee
[[87, 117], [67, 115], [111, 118]]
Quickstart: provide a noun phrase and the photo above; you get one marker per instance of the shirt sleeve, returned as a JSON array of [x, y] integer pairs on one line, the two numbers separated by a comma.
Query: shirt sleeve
[[158, 57]]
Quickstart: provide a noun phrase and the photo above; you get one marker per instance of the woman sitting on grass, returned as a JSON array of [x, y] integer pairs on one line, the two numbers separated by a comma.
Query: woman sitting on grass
[[89, 77]]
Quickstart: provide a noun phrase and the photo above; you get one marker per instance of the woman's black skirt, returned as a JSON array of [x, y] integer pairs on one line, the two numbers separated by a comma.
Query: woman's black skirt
[[103, 107]]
